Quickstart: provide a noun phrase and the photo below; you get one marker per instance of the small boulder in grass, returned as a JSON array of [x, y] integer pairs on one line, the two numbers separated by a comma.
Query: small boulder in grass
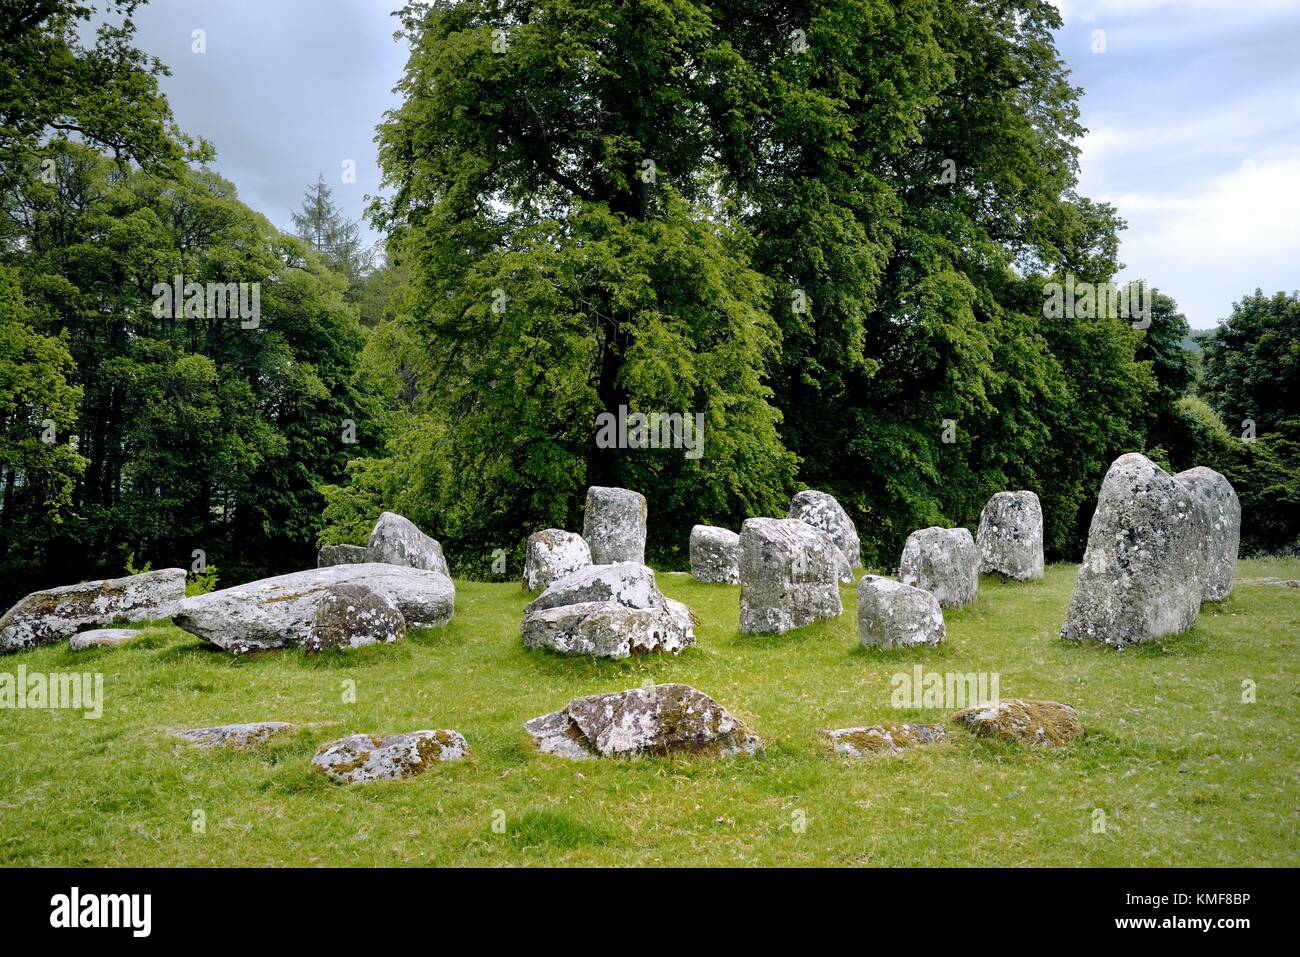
[[884, 738], [233, 735], [1036, 723], [350, 615], [101, 638], [367, 757]]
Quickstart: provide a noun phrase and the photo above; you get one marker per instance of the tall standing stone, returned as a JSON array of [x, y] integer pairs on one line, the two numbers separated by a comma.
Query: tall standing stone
[[1144, 570], [821, 510], [1221, 516], [942, 561], [614, 525], [789, 575], [1010, 536], [715, 555]]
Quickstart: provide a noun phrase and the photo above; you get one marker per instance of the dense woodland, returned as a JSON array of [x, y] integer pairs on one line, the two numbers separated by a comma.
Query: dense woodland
[[827, 226]]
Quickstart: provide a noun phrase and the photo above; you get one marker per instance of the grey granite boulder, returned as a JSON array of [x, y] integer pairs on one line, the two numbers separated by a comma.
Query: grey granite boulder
[[396, 541], [233, 735], [352, 614], [1221, 517], [1144, 569], [715, 555], [821, 510], [659, 720], [614, 525], [884, 738], [279, 612], [789, 575], [942, 561], [367, 757], [611, 611], [894, 615], [101, 638], [551, 554], [56, 614], [1036, 723], [1010, 536], [342, 555]]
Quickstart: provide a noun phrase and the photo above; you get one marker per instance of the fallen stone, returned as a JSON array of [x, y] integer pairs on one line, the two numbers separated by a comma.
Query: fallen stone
[[351, 615], [942, 561], [884, 738], [894, 615], [396, 541], [1037, 723], [56, 614], [342, 555], [715, 555], [1221, 517], [279, 612], [1010, 536], [659, 720], [821, 510], [789, 575], [233, 735], [367, 757], [1144, 569], [611, 611], [614, 525], [552, 554], [101, 638]]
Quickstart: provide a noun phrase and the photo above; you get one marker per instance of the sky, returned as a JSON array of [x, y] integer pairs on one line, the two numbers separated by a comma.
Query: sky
[[1192, 109]]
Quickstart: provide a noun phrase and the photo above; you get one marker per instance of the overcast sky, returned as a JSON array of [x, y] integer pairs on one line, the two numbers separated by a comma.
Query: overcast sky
[[1193, 111]]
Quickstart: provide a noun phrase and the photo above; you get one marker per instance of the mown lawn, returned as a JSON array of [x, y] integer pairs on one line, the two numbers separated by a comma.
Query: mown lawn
[[1184, 771]]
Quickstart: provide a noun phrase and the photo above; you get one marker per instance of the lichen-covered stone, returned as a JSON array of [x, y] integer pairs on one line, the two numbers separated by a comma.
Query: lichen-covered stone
[[884, 738], [552, 554], [352, 614], [342, 555], [611, 611], [56, 614], [1037, 723], [823, 511], [396, 541], [942, 561], [279, 612], [1221, 518], [1144, 568], [101, 638], [1010, 536], [233, 735], [659, 720], [894, 615], [366, 757], [614, 525], [789, 575], [715, 555]]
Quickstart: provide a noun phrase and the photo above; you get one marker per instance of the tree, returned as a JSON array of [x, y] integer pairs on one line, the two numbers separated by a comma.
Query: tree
[[1251, 364], [336, 239]]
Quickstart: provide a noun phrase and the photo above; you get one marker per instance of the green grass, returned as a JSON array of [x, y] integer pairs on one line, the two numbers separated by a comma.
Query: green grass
[[1185, 772]]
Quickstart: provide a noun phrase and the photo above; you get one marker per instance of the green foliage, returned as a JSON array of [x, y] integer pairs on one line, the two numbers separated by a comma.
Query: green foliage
[[1251, 365]]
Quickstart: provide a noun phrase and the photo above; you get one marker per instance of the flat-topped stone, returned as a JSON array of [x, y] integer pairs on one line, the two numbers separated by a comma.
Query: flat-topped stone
[[233, 735], [884, 738], [894, 615], [1010, 536], [942, 561], [614, 525], [715, 555], [367, 757], [789, 575], [551, 554]]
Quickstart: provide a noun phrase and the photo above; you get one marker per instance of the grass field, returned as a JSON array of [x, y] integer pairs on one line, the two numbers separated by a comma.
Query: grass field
[[1184, 771]]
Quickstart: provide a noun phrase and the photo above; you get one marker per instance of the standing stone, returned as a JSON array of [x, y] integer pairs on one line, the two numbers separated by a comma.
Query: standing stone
[[944, 562], [56, 614], [352, 614], [341, 555], [396, 541], [715, 555], [822, 511], [1144, 569], [660, 719], [1010, 537], [551, 554], [614, 525], [1221, 516], [789, 575], [367, 757], [279, 612], [894, 615]]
